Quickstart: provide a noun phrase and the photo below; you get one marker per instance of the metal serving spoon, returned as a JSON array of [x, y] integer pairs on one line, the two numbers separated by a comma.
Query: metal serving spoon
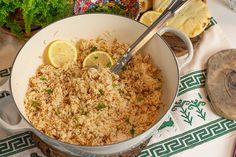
[[171, 10]]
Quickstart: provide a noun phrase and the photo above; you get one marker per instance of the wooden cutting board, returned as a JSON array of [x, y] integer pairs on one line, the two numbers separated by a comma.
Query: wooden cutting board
[[221, 83]]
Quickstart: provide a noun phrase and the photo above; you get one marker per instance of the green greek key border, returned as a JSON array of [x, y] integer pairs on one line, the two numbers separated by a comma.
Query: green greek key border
[[4, 94], [211, 23], [16, 143], [192, 81], [5, 72], [190, 138], [194, 137]]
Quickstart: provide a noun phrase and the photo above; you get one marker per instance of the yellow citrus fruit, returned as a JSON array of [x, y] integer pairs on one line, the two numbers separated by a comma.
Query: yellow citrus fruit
[[149, 17], [98, 58], [61, 52]]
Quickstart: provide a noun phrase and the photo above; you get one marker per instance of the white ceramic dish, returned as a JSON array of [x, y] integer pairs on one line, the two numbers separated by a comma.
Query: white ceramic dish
[[91, 26]]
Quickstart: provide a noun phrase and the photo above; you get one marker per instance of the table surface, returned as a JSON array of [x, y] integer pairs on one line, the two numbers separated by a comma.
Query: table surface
[[220, 147], [225, 17]]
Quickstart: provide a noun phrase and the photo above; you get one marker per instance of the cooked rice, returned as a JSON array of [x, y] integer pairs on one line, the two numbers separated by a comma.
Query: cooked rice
[[93, 106]]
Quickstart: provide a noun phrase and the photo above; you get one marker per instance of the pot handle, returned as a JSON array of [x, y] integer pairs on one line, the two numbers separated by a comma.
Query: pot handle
[[6, 112], [183, 60]]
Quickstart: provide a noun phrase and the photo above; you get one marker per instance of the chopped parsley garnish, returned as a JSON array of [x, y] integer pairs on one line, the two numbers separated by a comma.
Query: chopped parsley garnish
[[100, 106], [123, 68], [95, 57], [101, 91], [115, 85], [127, 120], [94, 49], [83, 112], [108, 65], [43, 78], [35, 104], [49, 91], [132, 131], [121, 91], [139, 99], [58, 112]]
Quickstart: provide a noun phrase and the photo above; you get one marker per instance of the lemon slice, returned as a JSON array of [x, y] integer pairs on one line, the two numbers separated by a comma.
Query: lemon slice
[[61, 52], [98, 58], [149, 17]]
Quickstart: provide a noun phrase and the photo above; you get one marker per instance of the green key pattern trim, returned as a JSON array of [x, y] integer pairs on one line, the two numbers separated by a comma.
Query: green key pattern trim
[[189, 139], [5, 72], [16, 143], [3, 94], [194, 137], [211, 23], [192, 81]]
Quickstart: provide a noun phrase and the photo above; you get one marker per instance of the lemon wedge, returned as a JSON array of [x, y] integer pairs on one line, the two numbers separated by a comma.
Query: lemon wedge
[[61, 52], [98, 58], [149, 17]]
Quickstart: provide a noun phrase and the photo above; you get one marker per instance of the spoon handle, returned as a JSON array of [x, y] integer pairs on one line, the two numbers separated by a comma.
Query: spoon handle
[[172, 9]]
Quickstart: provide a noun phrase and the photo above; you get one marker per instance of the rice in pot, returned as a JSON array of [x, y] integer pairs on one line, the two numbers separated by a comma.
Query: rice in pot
[[93, 106]]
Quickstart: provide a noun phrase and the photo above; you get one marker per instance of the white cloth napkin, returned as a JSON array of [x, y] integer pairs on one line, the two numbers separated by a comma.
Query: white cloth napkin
[[9, 47], [191, 121]]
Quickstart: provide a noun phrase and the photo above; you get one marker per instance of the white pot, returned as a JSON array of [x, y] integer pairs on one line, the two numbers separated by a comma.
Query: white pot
[[91, 26]]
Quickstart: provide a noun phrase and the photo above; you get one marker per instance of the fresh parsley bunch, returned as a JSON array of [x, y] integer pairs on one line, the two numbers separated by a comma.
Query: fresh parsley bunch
[[20, 16]]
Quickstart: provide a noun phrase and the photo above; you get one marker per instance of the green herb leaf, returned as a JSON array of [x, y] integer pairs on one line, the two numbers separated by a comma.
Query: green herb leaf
[[115, 85], [121, 91], [49, 91], [58, 112], [139, 99], [132, 131], [35, 13], [110, 8], [83, 112], [108, 65], [127, 120], [43, 78], [100, 106], [95, 57], [101, 91], [94, 49], [123, 68], [35, 104]]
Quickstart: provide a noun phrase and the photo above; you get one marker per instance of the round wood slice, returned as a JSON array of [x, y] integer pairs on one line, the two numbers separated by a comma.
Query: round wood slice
[[221, 83], [48, 151]]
